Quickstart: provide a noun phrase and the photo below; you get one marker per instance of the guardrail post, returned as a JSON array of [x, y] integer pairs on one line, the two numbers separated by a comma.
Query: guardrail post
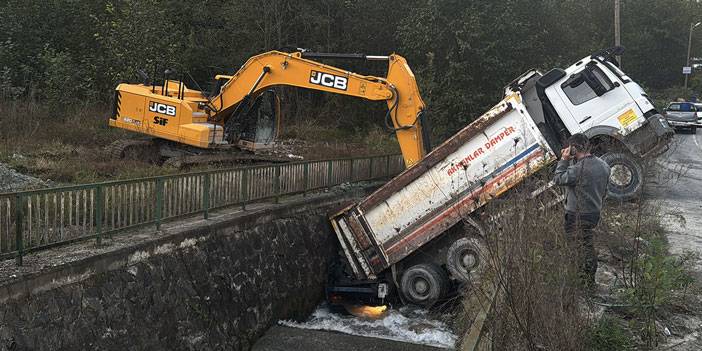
[[159, 202], [19, 219], [329, 174], [98, 215], [206, 196], [276, 184], [305, 178], [351, 176], [245, 189], [370, 169]]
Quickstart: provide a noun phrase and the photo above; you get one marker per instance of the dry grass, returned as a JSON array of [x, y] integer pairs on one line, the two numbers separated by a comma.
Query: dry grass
[[542, 306], [28, 123], [317, 140], [66, 144], [534, 269], [63, 144]]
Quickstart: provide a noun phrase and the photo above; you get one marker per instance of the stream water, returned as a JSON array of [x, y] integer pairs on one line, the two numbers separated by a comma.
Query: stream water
[[405, 324]]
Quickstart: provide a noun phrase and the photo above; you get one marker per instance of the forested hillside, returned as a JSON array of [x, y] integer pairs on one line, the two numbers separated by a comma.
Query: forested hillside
[[463, 52]]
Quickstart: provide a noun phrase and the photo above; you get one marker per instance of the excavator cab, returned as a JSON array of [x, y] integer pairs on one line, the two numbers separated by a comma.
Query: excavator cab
[[183, 127]]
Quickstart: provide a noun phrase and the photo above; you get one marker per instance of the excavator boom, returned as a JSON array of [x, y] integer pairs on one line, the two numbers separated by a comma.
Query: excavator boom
[[175, 112]]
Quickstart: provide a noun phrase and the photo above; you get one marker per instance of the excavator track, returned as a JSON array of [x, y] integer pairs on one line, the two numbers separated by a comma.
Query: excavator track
[[134, 149], [220, 158], [169, 154]]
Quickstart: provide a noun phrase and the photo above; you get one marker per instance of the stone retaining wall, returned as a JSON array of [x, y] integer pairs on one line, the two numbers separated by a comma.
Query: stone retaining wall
[[213, 286]]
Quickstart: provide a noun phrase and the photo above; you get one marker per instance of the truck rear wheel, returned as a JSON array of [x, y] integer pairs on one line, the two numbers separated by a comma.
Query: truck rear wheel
[[626, 178], [424, 284], [465, 259]]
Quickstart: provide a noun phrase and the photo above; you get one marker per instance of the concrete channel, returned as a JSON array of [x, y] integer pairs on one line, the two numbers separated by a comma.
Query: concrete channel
[[216, 284]]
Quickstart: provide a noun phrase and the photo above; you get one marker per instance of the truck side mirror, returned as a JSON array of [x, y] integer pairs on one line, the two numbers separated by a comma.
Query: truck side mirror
[[575, 80], [595, 83]]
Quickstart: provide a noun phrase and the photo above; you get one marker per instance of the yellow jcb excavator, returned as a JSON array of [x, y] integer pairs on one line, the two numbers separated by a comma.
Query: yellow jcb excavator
[[241, 115]]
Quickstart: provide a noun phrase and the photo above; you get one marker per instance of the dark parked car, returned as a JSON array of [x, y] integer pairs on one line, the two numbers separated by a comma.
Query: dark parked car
[[682, 115]]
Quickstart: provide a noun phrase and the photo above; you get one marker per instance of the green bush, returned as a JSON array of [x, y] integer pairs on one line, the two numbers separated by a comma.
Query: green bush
[[608, 334], [656, 280]]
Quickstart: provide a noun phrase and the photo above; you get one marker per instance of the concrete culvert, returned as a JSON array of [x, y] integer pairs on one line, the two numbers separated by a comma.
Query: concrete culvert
[[424, 284]]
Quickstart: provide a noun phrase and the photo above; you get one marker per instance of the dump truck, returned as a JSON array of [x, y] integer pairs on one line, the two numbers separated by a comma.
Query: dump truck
[[416, 235]]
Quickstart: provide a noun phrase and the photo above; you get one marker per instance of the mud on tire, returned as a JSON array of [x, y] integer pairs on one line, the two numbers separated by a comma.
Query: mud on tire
[[424, 284], [466, 259], [627, 177]]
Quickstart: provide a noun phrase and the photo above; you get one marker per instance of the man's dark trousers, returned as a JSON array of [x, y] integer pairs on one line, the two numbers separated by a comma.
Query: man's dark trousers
[[578, 231]]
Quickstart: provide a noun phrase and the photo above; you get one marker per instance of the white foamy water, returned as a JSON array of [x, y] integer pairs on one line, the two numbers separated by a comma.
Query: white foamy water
[[406, 324]]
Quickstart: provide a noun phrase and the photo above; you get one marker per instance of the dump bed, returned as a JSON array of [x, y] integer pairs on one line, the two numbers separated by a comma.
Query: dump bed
[[478, 163]]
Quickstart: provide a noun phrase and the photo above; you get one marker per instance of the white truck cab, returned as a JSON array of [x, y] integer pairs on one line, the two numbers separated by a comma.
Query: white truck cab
[[594, 97]]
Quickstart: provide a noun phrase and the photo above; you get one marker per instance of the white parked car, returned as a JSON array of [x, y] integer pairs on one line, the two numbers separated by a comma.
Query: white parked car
[[699, 111]]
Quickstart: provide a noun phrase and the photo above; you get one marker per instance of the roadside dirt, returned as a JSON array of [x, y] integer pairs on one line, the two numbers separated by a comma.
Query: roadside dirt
[[678, 190]]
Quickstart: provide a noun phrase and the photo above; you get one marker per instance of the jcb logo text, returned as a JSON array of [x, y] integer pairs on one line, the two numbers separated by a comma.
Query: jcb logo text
[[328, 80], [162, 108]]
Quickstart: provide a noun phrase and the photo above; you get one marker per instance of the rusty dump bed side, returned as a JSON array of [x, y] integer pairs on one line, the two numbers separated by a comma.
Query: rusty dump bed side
[[478, 163]]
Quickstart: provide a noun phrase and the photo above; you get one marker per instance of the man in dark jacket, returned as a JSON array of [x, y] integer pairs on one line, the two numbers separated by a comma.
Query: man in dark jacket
[[585, 178]]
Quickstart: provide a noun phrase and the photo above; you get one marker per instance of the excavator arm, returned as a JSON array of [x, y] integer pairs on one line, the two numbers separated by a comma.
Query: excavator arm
[[399, 89], [174, 112]]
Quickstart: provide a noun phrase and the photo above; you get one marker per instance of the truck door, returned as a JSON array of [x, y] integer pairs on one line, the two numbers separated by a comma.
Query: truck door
[[593, 99]]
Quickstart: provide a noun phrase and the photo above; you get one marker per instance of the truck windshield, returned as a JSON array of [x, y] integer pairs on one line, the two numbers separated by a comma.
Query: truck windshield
[[582, 92], [578, 94]]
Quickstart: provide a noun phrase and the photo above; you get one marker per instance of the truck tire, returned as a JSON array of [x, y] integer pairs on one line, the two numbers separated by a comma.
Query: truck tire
[[424, 284], [466, 260], [627, 176]]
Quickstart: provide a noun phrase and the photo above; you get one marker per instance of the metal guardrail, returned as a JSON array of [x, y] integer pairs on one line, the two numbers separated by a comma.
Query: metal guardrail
[[40, 219]]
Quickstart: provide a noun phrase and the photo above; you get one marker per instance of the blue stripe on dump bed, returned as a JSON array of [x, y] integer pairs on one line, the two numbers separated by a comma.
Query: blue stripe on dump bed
[[493, 174], [406, 232], [514, 160]]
